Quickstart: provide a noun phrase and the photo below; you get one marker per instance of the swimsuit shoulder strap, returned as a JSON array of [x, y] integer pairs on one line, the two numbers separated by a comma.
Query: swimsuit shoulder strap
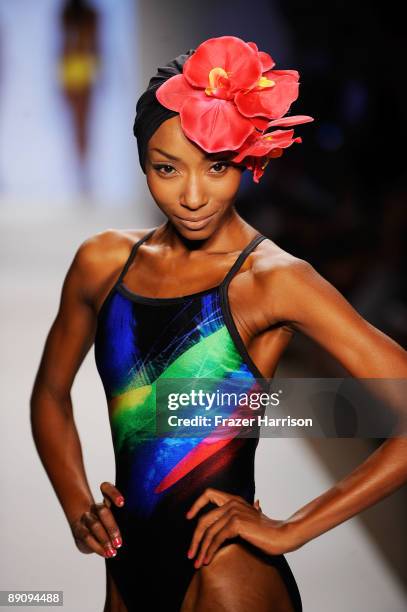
[[232, 271], [133, 253], [239, 261]]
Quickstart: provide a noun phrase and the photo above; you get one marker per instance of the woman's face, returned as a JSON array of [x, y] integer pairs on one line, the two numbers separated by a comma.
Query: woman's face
[[189, 184]]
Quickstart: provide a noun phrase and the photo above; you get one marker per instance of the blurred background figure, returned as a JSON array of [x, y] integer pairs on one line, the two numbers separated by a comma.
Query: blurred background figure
[[80, 64], [68, 72]]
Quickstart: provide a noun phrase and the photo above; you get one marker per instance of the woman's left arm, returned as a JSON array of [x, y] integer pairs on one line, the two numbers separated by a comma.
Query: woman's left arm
[[315, 307], [296, 294]]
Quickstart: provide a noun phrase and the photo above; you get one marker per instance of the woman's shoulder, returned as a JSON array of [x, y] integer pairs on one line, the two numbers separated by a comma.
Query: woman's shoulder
[[271, 259], [272, 270], [109, 245], [285, 281], [101, 256], [277, 283], [113, 236]]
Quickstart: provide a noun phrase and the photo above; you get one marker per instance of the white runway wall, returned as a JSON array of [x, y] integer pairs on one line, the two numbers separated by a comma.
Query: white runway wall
[[38, 160]]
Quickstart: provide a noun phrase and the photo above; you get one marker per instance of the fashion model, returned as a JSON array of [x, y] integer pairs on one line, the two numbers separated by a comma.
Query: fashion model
[[79, 64], [204, 295]]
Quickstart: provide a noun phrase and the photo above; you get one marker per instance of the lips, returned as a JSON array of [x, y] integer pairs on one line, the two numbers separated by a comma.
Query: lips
[[196, 220], [196, 224]]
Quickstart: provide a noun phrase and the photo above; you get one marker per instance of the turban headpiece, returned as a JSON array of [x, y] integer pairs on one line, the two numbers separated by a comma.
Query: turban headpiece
[[228, 95]]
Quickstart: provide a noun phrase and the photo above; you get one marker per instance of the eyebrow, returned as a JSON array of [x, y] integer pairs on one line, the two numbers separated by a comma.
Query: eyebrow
[[208, 156], [166, 154]]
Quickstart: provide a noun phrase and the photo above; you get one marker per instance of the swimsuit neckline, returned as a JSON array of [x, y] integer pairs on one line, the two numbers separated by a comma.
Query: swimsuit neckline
[[122, 288], [221, 287]]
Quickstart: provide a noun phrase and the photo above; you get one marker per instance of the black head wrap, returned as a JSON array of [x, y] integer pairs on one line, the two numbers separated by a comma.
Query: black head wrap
[[150, 114]]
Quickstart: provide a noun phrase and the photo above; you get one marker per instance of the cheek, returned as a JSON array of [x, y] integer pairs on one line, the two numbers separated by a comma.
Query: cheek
[[226, 188], [164, 193]]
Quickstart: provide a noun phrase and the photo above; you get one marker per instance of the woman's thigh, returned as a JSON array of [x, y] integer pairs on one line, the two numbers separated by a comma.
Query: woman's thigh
[[114, 602], [237, 580]]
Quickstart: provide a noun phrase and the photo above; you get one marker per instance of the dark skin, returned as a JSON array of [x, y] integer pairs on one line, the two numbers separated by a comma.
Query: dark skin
[[272, 296]]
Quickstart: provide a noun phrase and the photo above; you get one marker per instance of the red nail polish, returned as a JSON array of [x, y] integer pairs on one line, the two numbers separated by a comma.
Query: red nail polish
[[120, 501], [117, 542]]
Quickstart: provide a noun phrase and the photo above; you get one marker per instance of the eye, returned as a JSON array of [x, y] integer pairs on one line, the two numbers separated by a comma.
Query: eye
[[161, 166], [221, 163]]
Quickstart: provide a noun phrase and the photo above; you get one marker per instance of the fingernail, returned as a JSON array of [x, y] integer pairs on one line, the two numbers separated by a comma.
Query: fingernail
[[117, 542], [110, 552], [120, 501], [189, 554]]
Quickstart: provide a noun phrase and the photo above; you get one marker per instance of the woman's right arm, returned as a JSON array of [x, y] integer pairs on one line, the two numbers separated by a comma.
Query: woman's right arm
[[52, 422]]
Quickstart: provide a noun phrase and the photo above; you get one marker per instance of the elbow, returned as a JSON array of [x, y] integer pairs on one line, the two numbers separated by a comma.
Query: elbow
[[46, 406]]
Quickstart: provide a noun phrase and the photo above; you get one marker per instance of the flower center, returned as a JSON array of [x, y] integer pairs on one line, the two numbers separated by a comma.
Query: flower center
[[264, 82], [219, 84]]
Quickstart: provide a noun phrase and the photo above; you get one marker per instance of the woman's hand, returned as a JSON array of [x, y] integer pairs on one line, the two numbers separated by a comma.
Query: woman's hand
[[236, 517], [96, 530]]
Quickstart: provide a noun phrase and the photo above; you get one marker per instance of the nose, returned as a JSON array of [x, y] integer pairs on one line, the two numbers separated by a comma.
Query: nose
[[193, 195]]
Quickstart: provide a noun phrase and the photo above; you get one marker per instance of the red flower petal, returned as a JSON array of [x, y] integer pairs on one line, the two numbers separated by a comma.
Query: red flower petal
[[277, 152], [267, 61], [293, 73], [214, 124], [260, 123], [229, 95], [263, 144], [258, 172], [173, 92], [290, 120], [258, 165], [239, 60], [272, 102], [253, 46]]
